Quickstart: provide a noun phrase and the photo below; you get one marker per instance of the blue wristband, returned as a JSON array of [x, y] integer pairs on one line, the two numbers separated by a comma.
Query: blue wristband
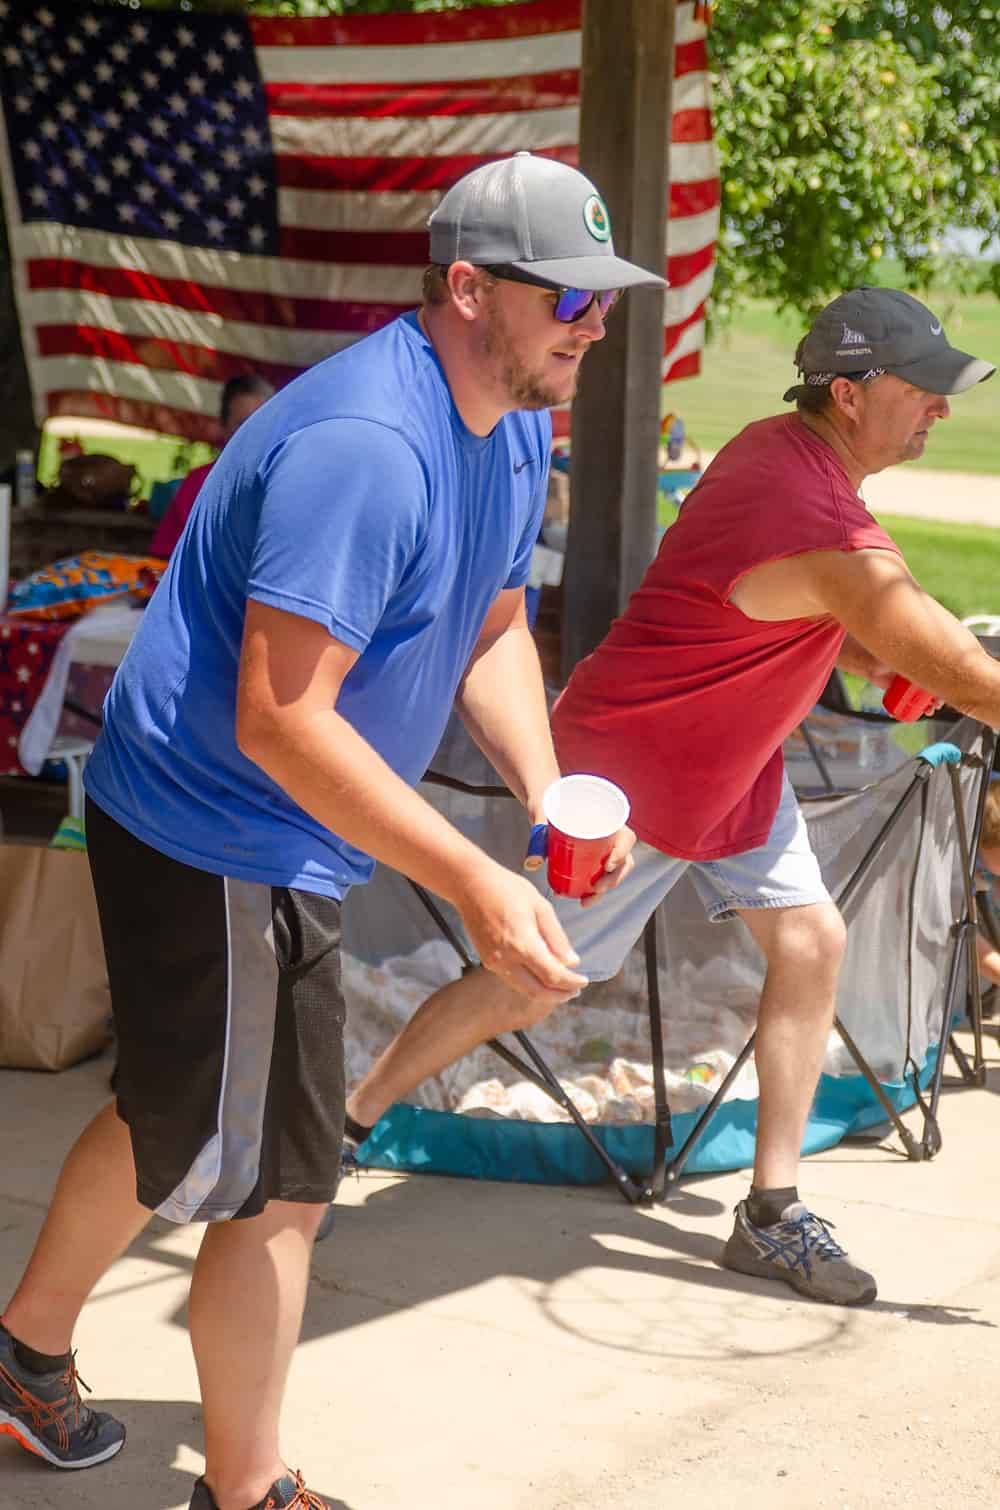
[[538, 847]]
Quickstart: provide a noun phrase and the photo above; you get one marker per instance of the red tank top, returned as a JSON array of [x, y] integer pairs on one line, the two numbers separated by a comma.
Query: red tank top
[[686, 702]]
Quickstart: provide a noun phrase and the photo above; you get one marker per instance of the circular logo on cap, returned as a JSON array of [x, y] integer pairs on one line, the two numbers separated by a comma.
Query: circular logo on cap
[[596, 218]]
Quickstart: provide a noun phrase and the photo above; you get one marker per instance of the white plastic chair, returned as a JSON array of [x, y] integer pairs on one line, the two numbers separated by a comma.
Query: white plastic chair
[[75, 751]]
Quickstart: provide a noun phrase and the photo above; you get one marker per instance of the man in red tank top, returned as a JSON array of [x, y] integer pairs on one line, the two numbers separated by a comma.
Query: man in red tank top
[[773, 574]]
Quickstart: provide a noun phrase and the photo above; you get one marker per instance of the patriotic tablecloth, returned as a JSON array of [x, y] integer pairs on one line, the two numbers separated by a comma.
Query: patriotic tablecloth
[[26, 653]]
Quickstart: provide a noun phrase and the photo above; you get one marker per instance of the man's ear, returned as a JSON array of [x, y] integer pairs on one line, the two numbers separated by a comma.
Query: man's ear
[[845, 395], [467, 287]]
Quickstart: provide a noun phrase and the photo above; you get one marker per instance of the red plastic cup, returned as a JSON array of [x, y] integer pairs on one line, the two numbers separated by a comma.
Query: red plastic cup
[[583, 814], [906, 701]]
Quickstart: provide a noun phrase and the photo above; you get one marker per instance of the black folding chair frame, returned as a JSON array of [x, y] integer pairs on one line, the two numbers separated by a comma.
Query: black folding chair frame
[[666, 1172], [535, 1067], [665, 1178]]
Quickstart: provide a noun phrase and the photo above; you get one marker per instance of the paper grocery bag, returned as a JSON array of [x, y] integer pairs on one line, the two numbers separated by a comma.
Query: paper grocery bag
[[54, 1002]]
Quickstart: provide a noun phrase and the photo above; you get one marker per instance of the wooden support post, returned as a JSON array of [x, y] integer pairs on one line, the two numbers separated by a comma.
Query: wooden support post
[[625, 113]]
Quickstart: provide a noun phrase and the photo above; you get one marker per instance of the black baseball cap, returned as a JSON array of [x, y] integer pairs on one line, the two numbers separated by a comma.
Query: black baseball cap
[[875, 330]]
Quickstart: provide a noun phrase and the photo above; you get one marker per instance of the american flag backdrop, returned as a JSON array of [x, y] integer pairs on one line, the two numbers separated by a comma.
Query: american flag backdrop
[[194, 197]]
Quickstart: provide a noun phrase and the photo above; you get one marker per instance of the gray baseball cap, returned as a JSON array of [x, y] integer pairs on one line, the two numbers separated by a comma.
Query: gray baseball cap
[[540, 216], [884, 330]]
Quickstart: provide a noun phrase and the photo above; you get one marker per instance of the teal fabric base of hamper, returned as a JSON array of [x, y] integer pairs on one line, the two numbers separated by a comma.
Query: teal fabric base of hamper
[[415, 1139]]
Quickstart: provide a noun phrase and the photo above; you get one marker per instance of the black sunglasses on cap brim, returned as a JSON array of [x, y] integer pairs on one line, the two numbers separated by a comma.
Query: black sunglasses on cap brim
[[571, 303]]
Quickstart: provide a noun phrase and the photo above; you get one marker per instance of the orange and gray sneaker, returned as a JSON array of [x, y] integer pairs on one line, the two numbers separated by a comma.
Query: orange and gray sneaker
[[286, 1493], [44, 1412]]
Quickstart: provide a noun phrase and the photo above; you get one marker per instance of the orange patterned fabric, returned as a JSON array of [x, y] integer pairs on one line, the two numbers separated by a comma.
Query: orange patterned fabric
[[67, 588]]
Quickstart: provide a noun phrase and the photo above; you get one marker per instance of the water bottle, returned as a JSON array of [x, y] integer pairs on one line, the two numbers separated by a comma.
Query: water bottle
[[24, 479]]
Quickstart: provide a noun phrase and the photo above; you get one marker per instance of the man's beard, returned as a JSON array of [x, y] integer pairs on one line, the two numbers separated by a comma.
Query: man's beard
[[525, 389]]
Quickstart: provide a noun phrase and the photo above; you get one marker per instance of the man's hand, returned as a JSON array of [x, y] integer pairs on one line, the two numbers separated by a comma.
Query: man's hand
[[616, 867], [518, 937]]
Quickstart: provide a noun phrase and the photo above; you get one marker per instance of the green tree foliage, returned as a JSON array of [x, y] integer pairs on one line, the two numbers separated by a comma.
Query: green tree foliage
[[849, 131]]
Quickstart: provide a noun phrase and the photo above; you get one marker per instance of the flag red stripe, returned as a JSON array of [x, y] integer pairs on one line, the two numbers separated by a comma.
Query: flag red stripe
[[691, 126], [366, 248], [682, 269], [395, 174], [673, 333], [483, 24], [685, 367], [249, 307], [155, 353], [690, 57], [693, 198], [532, 91]]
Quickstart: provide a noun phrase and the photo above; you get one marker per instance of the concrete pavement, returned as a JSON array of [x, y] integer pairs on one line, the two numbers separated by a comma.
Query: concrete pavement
[[475, 1346], [954, 497]]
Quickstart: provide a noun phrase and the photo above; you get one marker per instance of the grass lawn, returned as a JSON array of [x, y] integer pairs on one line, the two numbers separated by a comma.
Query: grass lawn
[[747, 368]]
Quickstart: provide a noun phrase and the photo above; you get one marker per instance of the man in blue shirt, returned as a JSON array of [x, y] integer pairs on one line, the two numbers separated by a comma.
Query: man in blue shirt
[[354, 569]]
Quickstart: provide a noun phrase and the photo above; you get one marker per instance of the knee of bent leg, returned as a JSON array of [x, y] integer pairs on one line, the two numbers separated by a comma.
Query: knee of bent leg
[[811, 938], [512, 1010]]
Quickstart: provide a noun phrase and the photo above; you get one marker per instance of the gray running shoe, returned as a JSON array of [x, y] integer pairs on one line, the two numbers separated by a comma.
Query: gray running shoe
[[286, 1493], [800, 1251], [44, 1413]]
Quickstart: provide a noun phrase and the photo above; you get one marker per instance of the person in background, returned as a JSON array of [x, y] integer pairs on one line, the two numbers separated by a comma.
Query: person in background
[[241, 397], [774, 573], [353, 572]]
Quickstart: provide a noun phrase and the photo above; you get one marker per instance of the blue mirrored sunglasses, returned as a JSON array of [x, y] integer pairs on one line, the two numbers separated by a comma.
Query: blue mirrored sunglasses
[[571, 303]]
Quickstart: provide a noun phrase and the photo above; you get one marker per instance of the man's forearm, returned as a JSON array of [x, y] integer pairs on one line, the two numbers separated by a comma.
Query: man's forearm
[[502, 704]]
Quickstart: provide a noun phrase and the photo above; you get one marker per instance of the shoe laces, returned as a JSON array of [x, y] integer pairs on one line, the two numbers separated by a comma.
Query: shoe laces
[[304, 1499], [81, 1414], [815, 1234]]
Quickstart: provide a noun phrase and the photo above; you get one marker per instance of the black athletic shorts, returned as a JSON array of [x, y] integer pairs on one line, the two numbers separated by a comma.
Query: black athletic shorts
[[230, 1020]]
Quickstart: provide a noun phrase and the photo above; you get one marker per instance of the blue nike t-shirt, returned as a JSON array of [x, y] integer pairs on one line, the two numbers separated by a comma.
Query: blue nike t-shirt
[[355, 497]]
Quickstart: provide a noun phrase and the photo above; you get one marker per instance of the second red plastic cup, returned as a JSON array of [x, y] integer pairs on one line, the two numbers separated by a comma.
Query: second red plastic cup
[[583, 814], [906, 701]]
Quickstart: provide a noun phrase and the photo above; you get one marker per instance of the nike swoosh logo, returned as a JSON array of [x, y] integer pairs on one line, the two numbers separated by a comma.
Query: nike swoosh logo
[[520, 466], [936, 330]]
